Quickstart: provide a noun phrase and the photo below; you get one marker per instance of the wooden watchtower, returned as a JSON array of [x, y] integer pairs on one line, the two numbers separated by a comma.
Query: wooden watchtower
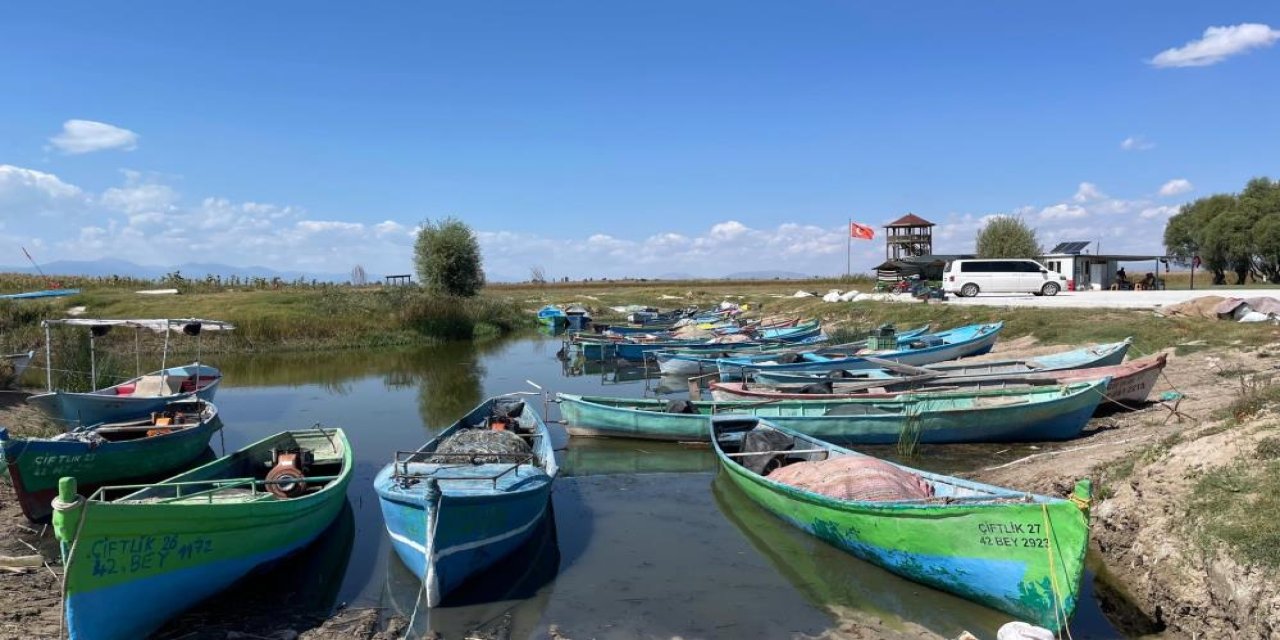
[[908, 237]]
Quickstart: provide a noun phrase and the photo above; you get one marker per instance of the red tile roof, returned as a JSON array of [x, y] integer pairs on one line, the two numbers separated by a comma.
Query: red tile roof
[[910, 220]]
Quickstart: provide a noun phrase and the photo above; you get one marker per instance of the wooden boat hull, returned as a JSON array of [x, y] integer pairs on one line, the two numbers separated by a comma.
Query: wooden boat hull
[[446, 535], [1023, 557], [1102, 355], [1131, 382], [133, 563], [36, 465], [976, 341], [1054, 413], [92, 408]]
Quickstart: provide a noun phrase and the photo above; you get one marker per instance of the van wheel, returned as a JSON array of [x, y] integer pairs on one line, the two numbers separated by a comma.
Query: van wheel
[[969, 290], [1050, 289]]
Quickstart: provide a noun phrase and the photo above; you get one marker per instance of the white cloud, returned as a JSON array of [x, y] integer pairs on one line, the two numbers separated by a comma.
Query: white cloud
[[1136, 143], [1163, 211], [1217, 44], [1177, 186], [27, 192], [1063, 211], [87, 136], [329, 226], [1088, 192]]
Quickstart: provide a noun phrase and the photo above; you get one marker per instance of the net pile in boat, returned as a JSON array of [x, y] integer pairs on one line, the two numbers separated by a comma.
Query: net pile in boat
[[85, 436], [854, 478], [503, 445]]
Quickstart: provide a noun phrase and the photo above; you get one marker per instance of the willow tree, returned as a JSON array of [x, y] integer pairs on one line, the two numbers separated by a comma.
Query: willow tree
[[447, 257], [1008, 237]]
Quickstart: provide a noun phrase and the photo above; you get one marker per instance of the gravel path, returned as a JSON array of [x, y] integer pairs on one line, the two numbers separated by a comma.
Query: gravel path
[[1108, 299]]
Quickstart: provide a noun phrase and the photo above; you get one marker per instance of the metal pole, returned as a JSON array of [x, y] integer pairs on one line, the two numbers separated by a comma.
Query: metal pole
[[137, 352], [48, 360], [93, 362], [164, 356], [848, 254]]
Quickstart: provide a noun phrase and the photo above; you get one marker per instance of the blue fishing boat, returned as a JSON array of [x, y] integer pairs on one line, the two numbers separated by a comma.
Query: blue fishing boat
[[961, 342], [595, 349], [578, 318], [1102, 355], [690, 362], [136, 397], [455, 506], [47, 293], [552, 316]]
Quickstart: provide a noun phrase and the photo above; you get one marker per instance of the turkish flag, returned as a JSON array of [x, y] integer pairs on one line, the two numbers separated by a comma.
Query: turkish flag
[[861, 231]]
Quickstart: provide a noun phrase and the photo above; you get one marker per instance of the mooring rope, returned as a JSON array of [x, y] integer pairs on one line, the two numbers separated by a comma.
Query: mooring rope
[[432, 512]]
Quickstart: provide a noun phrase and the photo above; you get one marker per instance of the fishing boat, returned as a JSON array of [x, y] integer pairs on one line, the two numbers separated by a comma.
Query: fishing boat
[[136, 397], [1102, 355], [44, 293], [692, 362], [637, 350], [137, 555], [552, 316], [961, 342], [1020, 553], [1131, 382], [454, 506], [577, 317], [159, 444], [1058, 412], [18, 362]]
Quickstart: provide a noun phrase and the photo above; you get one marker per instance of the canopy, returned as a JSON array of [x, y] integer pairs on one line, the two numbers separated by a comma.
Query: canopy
[[158, 326]]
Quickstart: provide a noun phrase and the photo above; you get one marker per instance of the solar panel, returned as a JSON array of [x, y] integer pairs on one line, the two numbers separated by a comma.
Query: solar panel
[[1073, 248]]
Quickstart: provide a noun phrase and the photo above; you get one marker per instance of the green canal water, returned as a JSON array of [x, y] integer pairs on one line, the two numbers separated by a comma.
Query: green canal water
[[646, 541]]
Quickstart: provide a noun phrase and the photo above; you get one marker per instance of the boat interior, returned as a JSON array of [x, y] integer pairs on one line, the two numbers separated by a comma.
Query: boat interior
[[761, 448], [496, 447], [166, 383], [175, 417], [289, 465]]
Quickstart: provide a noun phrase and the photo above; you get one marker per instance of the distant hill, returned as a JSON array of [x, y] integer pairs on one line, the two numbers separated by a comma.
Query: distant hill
[[124, 268], [766, 275]]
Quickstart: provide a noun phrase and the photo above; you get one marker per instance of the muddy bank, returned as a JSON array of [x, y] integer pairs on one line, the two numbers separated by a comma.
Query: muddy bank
[[1147, 467]]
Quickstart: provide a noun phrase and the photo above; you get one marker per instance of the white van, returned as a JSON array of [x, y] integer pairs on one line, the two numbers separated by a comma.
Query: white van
[[970, 277]]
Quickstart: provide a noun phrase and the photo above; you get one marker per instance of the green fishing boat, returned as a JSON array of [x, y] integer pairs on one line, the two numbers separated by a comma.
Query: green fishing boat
[[1020, 553], [137, 555], [1058, 412]]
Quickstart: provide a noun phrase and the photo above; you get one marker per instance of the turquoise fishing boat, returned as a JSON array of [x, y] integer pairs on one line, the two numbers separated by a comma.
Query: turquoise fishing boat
[[455, 506], [151, 447], [1058, 412], [961, 342], [1102, 355], [134, 556], [137, 397], [1020, 553], [606, 349], [552, 316]]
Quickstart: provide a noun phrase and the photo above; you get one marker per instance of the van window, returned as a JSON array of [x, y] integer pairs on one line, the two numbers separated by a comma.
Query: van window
[[978, 266], [1027, 266]]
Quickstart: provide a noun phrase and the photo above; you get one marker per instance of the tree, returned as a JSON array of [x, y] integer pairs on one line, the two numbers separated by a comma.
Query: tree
[[447, 257], [537, 274], [1008, 237]]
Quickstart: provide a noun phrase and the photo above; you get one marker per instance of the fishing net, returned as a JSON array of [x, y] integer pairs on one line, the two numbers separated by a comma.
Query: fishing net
[[762, 440], [818, 388], [85, 436], [854, 478], [502, 445]]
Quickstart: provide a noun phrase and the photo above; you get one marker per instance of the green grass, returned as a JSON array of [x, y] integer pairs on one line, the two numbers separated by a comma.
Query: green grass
[[1233, 508]]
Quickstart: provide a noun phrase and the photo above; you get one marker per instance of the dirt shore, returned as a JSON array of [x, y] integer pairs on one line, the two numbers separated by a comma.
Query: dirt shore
[[1144, 463]]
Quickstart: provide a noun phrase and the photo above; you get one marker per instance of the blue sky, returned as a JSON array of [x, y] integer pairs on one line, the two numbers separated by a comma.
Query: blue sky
[[617, 138]]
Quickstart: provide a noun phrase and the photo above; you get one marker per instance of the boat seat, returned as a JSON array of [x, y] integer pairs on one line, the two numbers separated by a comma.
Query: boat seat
[[156, 386]]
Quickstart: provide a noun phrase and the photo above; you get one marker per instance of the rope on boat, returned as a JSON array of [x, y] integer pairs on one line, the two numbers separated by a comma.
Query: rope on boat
[[432, 512], [59, 505], [1059, 607]]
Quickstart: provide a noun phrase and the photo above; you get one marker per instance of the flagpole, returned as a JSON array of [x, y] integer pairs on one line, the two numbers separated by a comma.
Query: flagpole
[[848, 253]]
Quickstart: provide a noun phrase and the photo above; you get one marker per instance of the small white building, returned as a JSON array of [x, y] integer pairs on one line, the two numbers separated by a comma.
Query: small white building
[[1086, 270]]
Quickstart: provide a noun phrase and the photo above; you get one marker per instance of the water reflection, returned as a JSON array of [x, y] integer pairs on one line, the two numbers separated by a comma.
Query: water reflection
[[505, 601], [605, 456]]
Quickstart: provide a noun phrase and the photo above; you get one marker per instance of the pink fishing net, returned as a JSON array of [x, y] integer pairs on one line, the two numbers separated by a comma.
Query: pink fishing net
[[854, 478]]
